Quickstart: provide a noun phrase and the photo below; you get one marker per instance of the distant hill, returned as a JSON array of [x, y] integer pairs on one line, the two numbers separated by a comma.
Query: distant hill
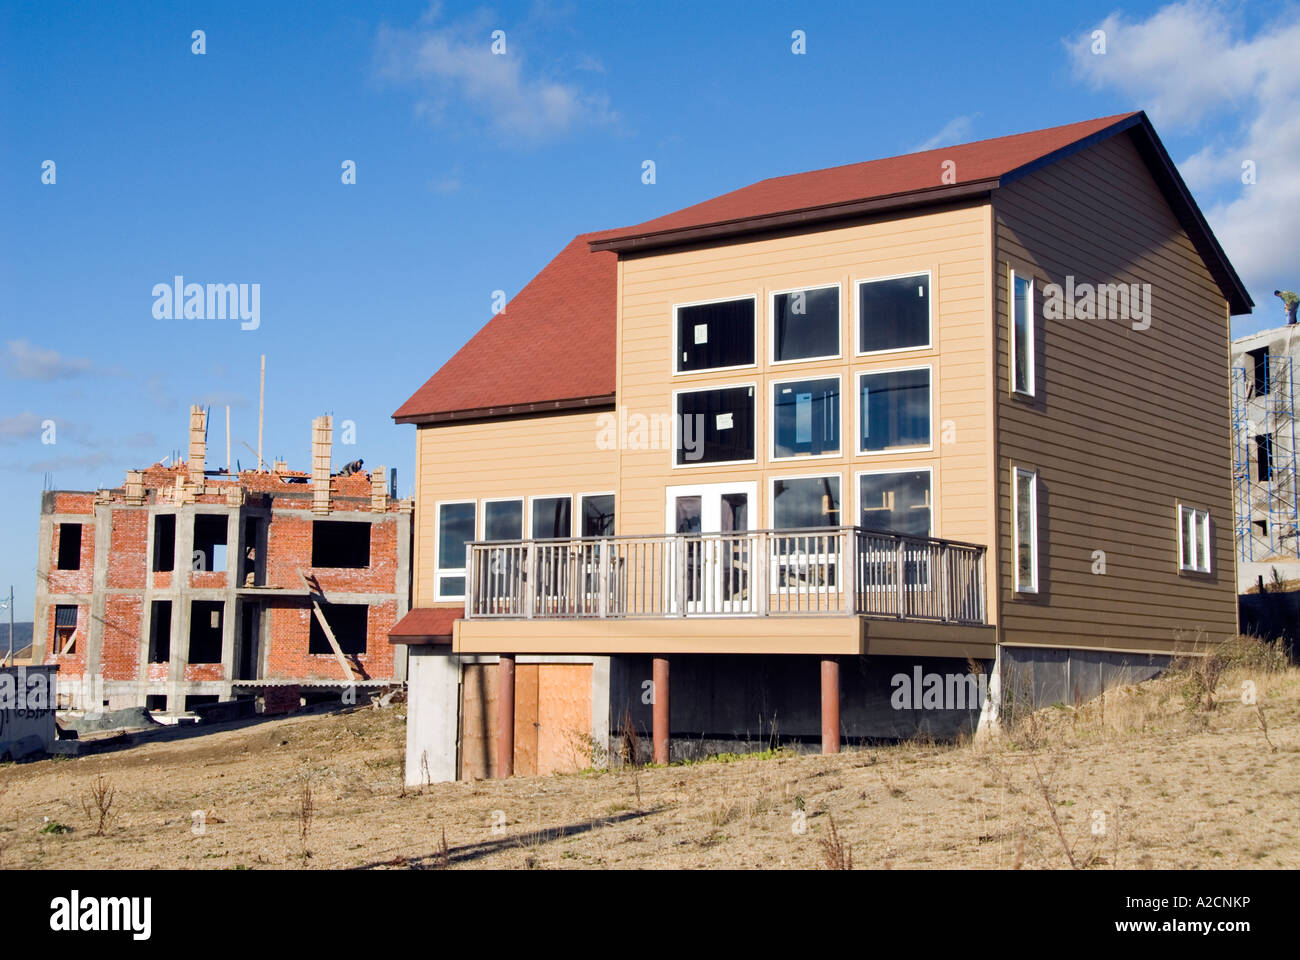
[[22, 636]]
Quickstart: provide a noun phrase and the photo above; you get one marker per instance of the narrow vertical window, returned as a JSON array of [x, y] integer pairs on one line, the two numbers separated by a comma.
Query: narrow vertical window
[[1022, 334], [1025, 529], [1193, 539]]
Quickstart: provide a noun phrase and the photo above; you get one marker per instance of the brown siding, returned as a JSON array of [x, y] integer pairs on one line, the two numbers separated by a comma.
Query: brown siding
[[1126, 423]]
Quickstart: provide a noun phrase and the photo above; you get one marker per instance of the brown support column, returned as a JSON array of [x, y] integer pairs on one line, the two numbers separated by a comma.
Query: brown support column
[[830, 705], [506, 716], [660, 678]]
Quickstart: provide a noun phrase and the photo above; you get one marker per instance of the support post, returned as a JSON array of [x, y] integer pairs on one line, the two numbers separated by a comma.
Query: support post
[[506, 716], [830, 705], [660, 678]]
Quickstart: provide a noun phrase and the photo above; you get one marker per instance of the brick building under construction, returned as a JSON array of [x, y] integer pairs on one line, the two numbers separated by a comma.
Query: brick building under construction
[[187, 586]]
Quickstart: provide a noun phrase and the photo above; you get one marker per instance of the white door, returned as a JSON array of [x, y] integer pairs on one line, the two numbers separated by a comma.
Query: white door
[[711, 564]]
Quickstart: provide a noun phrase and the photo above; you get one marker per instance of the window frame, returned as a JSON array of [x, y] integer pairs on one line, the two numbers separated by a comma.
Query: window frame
[[677, 426], [857, 284], [481, 523], [1032, 586], [580, 512], [1201, 517], [857, 412], [1032, 389], [771, 409], [528, 519], [934, 500], [828, 561], [770, 326], [438, 570], [673, 361]]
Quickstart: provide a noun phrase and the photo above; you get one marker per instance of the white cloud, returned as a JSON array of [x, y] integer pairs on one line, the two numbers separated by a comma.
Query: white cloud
[[1194, 71], [457, 73], [21, 426], [956, 130], [26, 361]]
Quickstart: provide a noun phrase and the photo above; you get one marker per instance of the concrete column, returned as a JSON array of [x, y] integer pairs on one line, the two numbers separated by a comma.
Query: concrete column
[[661, 713], [432, 712], [506, 716], [830, 705]]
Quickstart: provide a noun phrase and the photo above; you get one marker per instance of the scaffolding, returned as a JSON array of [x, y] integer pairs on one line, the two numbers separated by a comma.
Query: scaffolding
[[1266, 510]]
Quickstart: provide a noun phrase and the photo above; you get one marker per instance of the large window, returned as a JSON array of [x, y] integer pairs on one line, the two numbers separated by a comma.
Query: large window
[[348, 622], [894, 410], [1022, 334], [598, 515], [552, 518], [711, 336], [503, 519], [1193, 539], [894, 313], [715, 426], [896, 501], [806, 418], [800, 502], [1025, 529], [340, 544], [806, 324], [807, 561], [455, 530]]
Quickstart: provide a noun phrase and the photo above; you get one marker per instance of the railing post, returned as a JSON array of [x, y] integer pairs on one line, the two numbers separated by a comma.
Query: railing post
[[530, 578], [471, 586], [900, 546], [763, 585], [848, 562], [945, 602], [680, 578], [603, 568]]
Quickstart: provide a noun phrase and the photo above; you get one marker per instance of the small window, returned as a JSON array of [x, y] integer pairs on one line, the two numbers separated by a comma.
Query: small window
[[806, 324], [455, 530], [896, 502], [1022, 334], [598, 515], [552, 518], [160, 631], [715, 426], [210, 542], [894, 410], [65, 628], [713, 336], [207, 619], [503, 520], [164, 541], [1258, 370], [348, 624], [1025, 529], [1193, 539], [1263, 457], [894, 314], [69, 546], [806, 418], [806, 502], [340, 544]]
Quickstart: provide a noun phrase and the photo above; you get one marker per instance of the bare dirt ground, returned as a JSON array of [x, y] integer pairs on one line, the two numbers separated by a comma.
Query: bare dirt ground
[[1136, 780]]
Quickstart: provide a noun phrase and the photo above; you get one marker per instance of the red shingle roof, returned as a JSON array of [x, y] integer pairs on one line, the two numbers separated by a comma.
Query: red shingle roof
[[425, 625], [553, 342]]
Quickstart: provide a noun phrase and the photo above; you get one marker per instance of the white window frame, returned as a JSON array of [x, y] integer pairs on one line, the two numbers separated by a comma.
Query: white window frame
[[1204, 540], [438, 570], [708, 371], [857, 284], [822, 558], [1011, 330], [523, 514], [857, 412], [771, 324], [677, 426], [528, 520], [579, 512], [1016, 472], [926, 468], [771, 416]]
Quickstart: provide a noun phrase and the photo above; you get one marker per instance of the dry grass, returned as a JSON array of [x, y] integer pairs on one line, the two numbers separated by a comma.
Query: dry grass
[[1144, 777]]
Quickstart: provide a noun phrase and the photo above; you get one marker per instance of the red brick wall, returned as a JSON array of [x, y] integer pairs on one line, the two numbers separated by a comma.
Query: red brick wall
[[126, 567], [74, 581], [290, 631], [120, 652]]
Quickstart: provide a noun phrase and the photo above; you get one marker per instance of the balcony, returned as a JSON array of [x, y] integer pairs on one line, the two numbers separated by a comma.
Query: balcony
[[819, 572]]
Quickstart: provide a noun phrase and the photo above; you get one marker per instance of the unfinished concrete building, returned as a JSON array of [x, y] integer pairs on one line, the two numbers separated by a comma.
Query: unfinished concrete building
[[1267, 510], [187, 586]]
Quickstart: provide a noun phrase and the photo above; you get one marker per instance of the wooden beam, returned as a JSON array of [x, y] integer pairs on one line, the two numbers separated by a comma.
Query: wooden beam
[[312, 585]]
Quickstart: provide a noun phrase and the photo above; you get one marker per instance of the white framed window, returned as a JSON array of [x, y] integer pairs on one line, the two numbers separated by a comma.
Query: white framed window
[[806, 418], [808, 561], [596, 514], [895, 410], [456, 522], [893, 313], [711, 335], [1024, 528], [503, 518], [805, 324], [897, 501], [1193, 539], [714, 425], [1022, 333], [551, 517]]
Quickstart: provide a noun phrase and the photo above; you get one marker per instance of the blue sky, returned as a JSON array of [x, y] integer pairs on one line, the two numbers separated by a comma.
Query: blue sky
[[472, 170]]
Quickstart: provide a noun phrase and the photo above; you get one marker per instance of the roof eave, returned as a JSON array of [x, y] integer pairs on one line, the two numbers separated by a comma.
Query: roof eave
[[505, 410]]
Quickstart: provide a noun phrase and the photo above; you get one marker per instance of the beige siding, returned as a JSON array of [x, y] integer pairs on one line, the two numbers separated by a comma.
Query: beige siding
[[954, 244], [1125, 423], [519, 457]]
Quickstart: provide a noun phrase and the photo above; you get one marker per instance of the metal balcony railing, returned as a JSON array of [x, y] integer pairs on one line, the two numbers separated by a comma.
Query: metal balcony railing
[[822, 571]]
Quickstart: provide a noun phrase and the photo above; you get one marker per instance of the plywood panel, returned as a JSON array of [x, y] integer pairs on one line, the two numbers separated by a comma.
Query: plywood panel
[[564, 717], [526, 695], [478, 721]]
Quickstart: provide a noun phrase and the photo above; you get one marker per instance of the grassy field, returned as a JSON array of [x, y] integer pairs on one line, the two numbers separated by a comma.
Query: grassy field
[[1149, 776]]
